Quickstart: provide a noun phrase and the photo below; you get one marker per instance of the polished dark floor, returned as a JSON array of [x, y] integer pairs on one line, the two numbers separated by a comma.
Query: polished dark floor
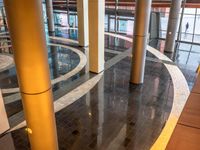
[[61, 61], [187, 58], [114, 114]]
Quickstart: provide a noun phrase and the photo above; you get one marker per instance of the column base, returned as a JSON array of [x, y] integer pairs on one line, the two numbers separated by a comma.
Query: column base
[[132, 81], [51, 33], [84, 46]]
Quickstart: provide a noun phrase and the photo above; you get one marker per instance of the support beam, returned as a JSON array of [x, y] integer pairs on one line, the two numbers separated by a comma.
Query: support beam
[[26, 27], [116, 17], [141, 25], [50, 17], [172, 25], [108, 23], [68, 13], [96, 35], [82, 10]]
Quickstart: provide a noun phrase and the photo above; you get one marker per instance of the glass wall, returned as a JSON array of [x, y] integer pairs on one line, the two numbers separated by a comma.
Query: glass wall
[[190, 30], [124, 24]]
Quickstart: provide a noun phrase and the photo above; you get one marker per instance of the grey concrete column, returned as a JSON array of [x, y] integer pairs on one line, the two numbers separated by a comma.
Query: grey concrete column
[[68, 14], [140, 35], [82, 10], [172, 25], [50, 17], [108, 23], [96, 35], [116, 9]]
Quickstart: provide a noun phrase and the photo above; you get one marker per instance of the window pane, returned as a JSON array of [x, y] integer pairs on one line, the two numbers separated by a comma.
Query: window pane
[[189, 11], [164, 21]]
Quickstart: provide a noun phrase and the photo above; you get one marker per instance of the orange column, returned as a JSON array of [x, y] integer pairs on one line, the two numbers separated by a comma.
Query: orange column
[[25, 22]]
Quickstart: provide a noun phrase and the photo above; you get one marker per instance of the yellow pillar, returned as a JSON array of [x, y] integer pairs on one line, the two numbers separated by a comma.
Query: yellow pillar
[[25, 22], [96, 35]]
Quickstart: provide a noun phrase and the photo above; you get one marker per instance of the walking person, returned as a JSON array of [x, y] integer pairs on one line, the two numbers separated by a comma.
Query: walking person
[[186, 27]]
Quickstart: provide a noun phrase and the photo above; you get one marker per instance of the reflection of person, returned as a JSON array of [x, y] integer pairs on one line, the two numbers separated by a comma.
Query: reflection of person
[[186, 27]]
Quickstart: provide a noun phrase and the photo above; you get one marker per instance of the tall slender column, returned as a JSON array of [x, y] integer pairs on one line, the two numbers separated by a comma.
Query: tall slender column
[[172, 25], [108, 23], [96, 35], [82, 10], [25, 22], [68, 14], [4, 19], [50, 17], [116, 18], [140, 35]]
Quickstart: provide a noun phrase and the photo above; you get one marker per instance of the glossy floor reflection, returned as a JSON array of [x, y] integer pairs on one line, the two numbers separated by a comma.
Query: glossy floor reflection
[[61, 61], [115, 114], [187, 58]]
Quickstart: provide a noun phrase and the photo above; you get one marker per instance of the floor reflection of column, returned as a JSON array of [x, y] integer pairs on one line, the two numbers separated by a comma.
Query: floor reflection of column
[[132, 116], [54, 64], [155, 92], [54, 57], [6, 142], [88, 103], [165, 103], [97, 115], [94, 120], [101, 111]]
